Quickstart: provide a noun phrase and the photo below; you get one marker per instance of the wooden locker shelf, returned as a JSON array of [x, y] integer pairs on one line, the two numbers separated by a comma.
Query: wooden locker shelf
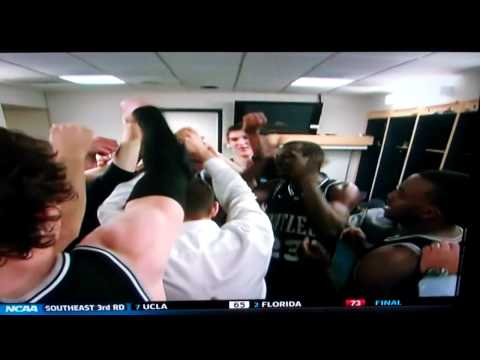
[[329, 141], [453, 107], [437, 151]]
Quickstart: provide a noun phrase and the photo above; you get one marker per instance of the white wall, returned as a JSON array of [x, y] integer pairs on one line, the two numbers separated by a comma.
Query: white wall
[[33, 122], [11, 95], [344, 115], [468, 87], [101, 111], [2, 117], [460, 87]]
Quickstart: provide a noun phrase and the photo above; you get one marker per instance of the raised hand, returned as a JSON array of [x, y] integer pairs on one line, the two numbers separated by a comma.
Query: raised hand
[[196, 147], [253, 122], [103, 146], [100, 152], [71, 140], [301, 167], [128, 106]]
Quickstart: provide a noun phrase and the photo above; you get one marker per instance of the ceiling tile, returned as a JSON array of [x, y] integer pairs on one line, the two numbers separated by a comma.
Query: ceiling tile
[[261, 72], [437, 65], [54, 64], [274, 71], [131, 67], [200, 68], [11, 72], [355, 65]]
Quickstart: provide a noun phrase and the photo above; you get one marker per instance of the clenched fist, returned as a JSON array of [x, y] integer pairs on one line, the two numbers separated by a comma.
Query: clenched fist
[[103, 146], [252, 122], [71, 140]]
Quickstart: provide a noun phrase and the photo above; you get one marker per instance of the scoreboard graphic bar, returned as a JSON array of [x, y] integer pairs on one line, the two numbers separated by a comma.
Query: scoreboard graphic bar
[[205, 307], [150, 308]]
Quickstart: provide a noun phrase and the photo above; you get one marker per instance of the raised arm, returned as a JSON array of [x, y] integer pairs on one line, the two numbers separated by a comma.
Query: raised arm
[[244, 246], [328, 219], [71, 143], [127, 155], [234, 195], [264, 148], [114, 205], [144, 234], [120, 169]]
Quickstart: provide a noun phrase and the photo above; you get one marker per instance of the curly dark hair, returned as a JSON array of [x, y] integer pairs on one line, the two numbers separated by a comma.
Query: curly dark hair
[[30, 182]]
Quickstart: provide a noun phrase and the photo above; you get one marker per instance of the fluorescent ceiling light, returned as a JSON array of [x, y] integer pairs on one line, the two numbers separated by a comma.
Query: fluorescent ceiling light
[[321, 82], [93, 79]]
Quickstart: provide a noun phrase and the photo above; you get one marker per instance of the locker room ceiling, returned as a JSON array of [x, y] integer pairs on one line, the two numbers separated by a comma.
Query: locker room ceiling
[[372, 72]]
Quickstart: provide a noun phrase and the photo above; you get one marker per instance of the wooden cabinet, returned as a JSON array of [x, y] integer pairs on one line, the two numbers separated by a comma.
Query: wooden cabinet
[[460, 152], [414, 140], [395, 148]]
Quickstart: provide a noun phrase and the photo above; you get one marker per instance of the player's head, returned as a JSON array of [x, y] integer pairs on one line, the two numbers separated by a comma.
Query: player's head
[[238, 140], [307, 150], [32, 185], [433, 196], [200, 202]]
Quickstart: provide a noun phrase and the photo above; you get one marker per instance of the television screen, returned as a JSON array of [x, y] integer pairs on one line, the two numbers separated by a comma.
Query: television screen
[[154, 220]]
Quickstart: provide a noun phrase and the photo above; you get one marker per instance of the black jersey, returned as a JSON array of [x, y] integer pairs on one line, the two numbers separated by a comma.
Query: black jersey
[[88, 275], [287, 213], [289, 274]]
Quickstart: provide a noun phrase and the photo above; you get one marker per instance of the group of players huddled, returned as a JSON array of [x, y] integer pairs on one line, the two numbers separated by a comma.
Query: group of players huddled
[[162, 216]]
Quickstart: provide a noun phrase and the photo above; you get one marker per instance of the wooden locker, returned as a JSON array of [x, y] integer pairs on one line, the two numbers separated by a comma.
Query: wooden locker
[[430, 142]]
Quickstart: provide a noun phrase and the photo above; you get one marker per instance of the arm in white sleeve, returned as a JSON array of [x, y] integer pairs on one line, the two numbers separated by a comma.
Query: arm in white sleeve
[[115, 203], [229, 187], [244, 215]]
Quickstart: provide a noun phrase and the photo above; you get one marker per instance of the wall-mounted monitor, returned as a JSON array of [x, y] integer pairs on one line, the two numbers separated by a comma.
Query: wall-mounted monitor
[[283, 117]]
